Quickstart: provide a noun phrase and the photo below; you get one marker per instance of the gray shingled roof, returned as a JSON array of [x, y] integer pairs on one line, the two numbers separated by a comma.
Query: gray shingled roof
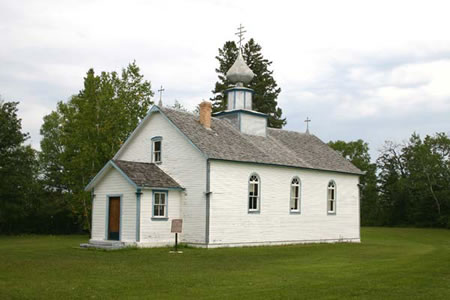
[[146, 174], [280, 147]]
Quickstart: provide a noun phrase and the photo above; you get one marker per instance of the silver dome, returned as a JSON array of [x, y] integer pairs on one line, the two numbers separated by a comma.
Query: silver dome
[[239, 71]]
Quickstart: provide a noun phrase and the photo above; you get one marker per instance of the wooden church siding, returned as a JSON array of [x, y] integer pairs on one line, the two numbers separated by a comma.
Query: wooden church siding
[[114, 184], [156, 232], [251, 124], [183, 162], [231, 224]]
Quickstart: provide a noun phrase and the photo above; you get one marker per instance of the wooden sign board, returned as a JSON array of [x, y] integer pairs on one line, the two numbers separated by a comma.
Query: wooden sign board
[[177, 225]]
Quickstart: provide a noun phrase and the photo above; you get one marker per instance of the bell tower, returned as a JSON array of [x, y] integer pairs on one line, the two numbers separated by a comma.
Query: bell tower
[[240, 99]]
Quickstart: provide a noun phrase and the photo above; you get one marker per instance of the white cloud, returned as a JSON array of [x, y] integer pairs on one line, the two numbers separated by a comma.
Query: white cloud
[[355, 67]]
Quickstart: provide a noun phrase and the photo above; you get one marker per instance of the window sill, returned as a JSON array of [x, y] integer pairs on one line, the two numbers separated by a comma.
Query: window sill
[[331, 213], [160, 218], [295, 212], [254, 211]]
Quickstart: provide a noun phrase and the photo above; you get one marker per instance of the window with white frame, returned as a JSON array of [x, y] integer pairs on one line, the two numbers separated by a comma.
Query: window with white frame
[[159, 204], [331, 197], [156, 149], [253, 193], [295, 195]]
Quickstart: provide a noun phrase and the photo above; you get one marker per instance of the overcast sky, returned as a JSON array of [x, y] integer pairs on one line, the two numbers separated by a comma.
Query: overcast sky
[[376, 70]]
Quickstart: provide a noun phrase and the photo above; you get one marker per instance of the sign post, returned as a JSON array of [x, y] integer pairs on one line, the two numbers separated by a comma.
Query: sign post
[[177, 225]]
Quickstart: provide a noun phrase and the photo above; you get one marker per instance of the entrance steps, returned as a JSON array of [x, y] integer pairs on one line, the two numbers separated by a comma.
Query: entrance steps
[[106, 245]]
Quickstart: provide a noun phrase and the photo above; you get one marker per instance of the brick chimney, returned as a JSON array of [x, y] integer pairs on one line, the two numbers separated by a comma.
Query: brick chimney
[[205, 114]]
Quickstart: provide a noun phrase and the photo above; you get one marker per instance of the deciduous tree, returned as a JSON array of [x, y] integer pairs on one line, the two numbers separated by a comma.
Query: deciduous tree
[[81, 135]]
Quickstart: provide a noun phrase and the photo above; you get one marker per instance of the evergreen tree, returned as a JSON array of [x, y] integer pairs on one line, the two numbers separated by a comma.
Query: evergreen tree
[[178, 106], [264, 85]]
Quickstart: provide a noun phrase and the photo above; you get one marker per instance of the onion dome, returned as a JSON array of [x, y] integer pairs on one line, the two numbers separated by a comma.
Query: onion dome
[[239, 72]]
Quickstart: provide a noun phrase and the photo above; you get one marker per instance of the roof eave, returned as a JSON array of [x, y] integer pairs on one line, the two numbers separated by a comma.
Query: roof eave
[[102, 172], [290, 166]]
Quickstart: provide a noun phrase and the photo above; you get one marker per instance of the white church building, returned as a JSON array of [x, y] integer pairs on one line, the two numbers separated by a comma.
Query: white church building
[[231, 179]]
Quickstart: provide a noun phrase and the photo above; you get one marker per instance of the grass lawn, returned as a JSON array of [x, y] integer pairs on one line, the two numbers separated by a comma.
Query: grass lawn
[[390, 263]]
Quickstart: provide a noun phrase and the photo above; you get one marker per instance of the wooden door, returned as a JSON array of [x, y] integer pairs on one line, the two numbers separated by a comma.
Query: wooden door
[[114, 218]]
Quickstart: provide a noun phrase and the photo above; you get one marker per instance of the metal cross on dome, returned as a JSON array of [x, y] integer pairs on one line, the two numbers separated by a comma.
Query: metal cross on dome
[[240, 34]]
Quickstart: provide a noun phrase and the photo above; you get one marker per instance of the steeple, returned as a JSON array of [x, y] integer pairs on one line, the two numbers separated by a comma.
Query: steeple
[[239, 98]]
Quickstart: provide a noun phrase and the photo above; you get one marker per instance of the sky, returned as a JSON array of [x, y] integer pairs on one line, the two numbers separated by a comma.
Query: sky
[[371, 70]]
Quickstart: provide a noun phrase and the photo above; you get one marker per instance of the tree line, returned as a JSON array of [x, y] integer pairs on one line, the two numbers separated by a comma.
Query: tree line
[[407, 185], [43, 191]]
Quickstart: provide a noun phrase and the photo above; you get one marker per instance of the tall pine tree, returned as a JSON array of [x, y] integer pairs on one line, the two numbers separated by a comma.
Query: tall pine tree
[[264, 85]]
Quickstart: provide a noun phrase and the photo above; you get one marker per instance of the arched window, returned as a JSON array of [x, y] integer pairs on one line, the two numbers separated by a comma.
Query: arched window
[[295, 195], [331, 197], [254, 193]]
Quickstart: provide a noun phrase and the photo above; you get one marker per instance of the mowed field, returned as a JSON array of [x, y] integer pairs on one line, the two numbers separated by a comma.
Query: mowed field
[[390, 263]]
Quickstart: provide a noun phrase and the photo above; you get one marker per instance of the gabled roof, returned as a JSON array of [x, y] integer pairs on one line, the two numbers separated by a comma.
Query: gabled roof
[[147, 175], [138, 174], [280, 147]]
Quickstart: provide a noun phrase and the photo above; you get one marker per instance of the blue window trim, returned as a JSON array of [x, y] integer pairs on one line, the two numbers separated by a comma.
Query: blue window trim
[[335, 198], [239, 89], [107, 215], [257, 211], [156, 139], [158, 218], [299, 211]]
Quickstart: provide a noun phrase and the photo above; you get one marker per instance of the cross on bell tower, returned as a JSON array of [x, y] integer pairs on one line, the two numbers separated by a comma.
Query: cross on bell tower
[[307, 124], [240, 34], [161, 90]]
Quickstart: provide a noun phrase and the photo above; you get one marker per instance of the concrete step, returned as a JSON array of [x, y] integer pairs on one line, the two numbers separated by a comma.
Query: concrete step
[[107, 245]]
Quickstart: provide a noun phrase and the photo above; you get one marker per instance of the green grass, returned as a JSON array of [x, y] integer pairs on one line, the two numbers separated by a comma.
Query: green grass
[[390, 263]]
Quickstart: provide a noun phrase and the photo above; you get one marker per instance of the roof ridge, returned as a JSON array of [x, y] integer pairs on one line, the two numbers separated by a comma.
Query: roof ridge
[[280, 147], [287, 130]]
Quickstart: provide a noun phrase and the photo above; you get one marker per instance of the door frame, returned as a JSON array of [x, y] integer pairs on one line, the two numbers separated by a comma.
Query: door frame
[[120, 196]]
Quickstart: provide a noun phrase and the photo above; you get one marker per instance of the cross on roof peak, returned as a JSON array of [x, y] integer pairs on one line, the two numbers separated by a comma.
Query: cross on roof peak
[[161, 90], [240, 34], [307, 124]]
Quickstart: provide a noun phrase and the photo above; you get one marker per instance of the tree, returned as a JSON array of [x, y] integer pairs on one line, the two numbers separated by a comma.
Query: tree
[[414, 181], [358, 153], [264, 85], [392, 182], [427, 162], [85, 132], [17, 169], [178, 106]]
